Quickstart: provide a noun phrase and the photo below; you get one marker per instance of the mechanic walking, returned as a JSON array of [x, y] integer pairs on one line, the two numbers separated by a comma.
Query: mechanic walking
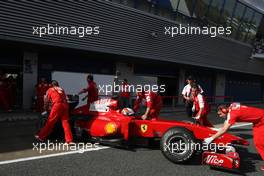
[[186, 93], [200, 106], [241, 113], [91, 90], [59, 110], [153, 103]]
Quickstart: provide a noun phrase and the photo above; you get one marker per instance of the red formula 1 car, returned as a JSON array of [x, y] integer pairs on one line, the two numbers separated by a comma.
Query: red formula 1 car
[[179, 141]]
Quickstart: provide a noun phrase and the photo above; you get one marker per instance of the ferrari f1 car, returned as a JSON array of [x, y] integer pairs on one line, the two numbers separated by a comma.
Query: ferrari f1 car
[[179, 141]]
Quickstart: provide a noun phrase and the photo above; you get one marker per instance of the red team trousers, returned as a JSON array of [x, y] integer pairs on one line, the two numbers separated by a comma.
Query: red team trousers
[[4, 101], [258, 136], [58, 111]]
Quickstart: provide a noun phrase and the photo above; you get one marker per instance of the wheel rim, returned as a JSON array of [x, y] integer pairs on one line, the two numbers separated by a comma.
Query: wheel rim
[[178, 144]]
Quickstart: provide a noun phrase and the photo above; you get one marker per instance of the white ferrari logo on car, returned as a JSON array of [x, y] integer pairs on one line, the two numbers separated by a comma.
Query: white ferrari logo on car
[[143, 128]]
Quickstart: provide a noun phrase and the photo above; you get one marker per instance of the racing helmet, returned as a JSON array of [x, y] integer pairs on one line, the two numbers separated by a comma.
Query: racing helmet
[[127, 111], [230, 149]]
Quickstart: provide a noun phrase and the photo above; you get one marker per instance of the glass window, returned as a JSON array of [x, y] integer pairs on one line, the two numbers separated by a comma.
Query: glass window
[[190, 5], [254, 27], [165, 9], [143, 5], [153, 8], [201, 8], [235, 21], [245, 25], [214, 11], [175, 5], [183, 19], [226, 16], [184, 11]]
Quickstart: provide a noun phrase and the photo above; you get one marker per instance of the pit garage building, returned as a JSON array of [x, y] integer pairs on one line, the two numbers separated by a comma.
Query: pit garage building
[[131, 39]]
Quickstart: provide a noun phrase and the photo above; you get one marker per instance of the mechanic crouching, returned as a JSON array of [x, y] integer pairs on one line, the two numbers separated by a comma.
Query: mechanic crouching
[[59, 110], [241, 113], [153, 103]]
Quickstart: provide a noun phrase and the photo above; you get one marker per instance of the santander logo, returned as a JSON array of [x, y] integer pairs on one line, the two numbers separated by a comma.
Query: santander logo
[[213, 159]]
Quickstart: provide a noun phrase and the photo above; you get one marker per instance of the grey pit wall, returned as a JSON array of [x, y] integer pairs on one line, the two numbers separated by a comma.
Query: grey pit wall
[[30, 73]]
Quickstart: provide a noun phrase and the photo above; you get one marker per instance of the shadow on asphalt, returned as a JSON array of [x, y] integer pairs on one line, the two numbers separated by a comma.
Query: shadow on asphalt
[[16, 136], [248, 161]]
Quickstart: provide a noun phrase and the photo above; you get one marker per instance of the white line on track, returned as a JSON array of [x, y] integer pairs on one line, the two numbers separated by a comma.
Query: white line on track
[[50, 155], [241, 125]]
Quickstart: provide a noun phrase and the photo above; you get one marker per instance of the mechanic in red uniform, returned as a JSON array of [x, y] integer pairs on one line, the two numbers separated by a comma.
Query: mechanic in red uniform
[[59, 110], [241, 113], [91, 90], [41, 90], [153, 103], [200, 106], [4, 100], [124, 96]]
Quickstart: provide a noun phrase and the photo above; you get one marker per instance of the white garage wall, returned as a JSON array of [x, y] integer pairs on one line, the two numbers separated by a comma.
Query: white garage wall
[[72, 82]]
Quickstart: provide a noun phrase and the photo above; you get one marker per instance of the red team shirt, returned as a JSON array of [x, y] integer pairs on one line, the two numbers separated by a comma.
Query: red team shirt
[[125, 90], [92, 92], [56, 95], [242, 113], [200, 102], [42, 89], [153, 101]]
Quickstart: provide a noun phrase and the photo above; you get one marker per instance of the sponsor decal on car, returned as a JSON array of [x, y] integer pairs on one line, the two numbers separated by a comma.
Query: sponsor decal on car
[[213, 160]]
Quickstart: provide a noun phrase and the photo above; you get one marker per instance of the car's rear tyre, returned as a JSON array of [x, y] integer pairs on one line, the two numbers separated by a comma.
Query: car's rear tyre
[[40, 123], [177, 145]]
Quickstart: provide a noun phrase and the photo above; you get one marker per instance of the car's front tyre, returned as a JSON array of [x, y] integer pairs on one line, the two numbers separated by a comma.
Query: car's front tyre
[[177, 145]]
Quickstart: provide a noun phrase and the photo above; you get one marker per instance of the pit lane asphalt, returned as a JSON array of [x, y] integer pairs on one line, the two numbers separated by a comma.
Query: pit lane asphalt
[[140, 161]]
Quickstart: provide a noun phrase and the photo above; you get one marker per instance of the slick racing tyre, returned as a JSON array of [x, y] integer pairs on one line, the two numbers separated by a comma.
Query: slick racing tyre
[[40, 123], [177, 145]]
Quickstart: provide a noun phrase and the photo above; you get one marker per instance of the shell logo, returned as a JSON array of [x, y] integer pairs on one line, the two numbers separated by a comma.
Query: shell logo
[[110, 128]]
